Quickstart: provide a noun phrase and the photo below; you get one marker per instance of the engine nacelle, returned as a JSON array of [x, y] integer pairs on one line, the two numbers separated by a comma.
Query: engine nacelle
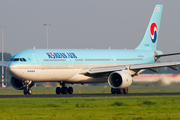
[[119, 79], [19, 84]]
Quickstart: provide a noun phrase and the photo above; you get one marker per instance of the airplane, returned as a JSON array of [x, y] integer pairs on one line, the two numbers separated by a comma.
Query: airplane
[[79, 66]]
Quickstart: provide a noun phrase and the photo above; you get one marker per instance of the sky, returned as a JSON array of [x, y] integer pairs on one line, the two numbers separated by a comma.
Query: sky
[[81, 24]]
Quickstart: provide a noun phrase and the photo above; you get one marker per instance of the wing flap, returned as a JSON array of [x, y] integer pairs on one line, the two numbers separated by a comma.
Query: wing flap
[[174, 67]]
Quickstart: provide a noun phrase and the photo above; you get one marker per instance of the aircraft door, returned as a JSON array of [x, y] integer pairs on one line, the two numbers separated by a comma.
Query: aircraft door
[[70, 60], [114, 60], [145, 57]]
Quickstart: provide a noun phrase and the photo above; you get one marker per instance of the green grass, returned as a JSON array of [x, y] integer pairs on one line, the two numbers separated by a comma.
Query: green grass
[[103, 108]]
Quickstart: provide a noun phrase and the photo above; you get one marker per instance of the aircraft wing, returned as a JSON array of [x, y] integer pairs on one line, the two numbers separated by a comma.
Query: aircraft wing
[[4, 63], [151, 66]]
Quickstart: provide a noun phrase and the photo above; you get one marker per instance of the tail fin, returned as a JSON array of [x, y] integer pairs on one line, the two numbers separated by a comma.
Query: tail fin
[[149, 41]]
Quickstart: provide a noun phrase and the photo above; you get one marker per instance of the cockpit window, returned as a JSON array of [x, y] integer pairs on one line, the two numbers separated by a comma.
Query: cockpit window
[[16, 59], [22, 59]]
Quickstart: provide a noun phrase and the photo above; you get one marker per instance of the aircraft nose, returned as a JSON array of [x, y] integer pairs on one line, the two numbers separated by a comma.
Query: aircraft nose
[[12, 69], [15, 71]]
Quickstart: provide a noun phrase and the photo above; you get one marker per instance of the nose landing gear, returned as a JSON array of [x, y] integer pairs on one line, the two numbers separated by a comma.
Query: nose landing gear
[[27, 89]]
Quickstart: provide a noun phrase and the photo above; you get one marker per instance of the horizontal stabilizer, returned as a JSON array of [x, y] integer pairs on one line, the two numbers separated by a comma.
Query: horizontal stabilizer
[[162, 55]]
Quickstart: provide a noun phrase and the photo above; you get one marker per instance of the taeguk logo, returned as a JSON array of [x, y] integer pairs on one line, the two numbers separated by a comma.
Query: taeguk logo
[[153, 32]]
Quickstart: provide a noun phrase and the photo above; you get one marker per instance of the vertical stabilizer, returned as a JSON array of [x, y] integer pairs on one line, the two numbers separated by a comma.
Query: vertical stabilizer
[[149, 41]]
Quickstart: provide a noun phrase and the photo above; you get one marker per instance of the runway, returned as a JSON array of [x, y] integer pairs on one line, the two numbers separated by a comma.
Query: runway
[[87, 95]]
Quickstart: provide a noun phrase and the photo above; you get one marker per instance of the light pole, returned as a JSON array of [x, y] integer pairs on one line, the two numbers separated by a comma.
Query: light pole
[[47, 24], [6, 77], [2, 56]]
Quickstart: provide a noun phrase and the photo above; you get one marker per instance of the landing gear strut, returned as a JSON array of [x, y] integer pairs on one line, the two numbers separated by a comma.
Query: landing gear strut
[[64, 89], [119, 91]]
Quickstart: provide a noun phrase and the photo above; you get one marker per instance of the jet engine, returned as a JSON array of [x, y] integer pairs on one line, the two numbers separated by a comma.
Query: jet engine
[[19, 84], [119, 79]]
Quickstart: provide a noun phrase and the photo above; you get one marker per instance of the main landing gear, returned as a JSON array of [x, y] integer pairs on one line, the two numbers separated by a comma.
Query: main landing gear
[[64, 89], [27, 89], [119, 91]]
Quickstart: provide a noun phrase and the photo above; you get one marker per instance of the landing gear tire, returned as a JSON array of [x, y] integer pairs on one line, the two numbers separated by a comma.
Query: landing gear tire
[[64, 90], [121, 91], [125, 90], [113, 91], [27, 91], [117, 91], [58, 90], [70, 90]]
